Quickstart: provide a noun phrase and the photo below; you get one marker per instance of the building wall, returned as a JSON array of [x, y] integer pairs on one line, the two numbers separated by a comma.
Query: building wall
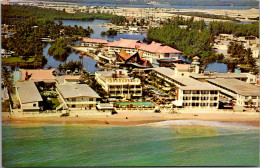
[[120, 88], [179, 73], [194, 98], [243, 100], [81, 103], [32, 105], [197, 98], [240, 100], [123, 90], [146, 54]]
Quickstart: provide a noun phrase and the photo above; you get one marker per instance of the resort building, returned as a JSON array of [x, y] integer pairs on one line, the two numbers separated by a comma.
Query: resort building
[[93, 44], [77, 96], [242, 93], [245, 77], [28, 96], [153, 50], [189, 92], [119, 84]]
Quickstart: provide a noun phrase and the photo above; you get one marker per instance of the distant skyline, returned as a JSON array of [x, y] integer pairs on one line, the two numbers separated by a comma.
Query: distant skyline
[[253, 3]]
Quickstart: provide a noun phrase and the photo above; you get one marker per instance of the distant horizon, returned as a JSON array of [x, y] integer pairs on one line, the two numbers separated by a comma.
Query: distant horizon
[[159, 3]]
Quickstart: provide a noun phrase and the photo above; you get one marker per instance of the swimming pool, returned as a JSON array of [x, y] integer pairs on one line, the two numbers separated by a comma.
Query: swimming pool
[[135, 103]]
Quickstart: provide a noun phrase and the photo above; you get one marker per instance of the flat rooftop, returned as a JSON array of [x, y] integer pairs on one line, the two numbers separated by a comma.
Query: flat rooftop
[[76, 90], [217, 75], [237, 86], [184, 83], [28, 92], [108, 74]]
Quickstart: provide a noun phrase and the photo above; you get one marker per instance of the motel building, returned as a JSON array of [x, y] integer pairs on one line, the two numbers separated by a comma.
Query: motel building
[[190, 93], [77, 96], [242, 93], [118, 84], [28, 96], [93, 44]]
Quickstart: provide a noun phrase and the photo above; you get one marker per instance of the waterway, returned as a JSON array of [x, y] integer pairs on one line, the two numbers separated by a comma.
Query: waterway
[[89, 63], [95, 25]]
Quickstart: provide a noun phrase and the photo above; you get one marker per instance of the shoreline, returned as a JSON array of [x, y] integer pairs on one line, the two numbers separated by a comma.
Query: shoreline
[[134, 119]]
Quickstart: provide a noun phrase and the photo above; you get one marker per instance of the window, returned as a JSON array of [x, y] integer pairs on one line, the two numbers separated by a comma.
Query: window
[[195, 92], [213, 92], [204, 92], [195, 98], [90, 99], [73, 105], [34, 105], [186, 92], [73, 99]]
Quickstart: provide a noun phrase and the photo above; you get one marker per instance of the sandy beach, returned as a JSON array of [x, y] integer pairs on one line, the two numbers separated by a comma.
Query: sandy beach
[[134, 118]]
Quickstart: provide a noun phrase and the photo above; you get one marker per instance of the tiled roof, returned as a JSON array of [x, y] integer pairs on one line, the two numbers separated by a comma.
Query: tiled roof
[[158, 47], [153, 47], [125, 43], [76, 90], [91, 40], [37, 74]]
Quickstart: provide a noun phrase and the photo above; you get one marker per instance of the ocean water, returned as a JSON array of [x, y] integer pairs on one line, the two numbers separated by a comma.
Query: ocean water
[[158, 144]]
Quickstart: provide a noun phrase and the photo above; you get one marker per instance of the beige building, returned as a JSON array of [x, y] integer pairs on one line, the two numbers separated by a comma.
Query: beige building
[[182, 70], [190, 92], [243, 93], [28, 96], [119, 84], [77, 96]]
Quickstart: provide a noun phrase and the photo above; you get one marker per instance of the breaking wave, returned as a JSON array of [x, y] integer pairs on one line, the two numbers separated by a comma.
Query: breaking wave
[[233, 125]]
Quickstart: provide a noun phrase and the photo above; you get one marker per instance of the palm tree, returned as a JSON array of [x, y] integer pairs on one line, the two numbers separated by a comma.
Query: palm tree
[[7, 78]]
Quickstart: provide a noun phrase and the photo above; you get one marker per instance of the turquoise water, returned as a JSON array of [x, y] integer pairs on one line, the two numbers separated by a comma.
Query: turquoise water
[[135, 103], [82, 145]]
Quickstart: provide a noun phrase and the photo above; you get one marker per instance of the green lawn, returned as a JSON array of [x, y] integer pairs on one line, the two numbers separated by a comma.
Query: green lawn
[[55, 102], [17, 60]]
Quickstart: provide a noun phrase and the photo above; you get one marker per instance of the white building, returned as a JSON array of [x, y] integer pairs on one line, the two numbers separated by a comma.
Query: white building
[[28, 96], [189, 92], [237, 90], [119, 84], [77, 96]]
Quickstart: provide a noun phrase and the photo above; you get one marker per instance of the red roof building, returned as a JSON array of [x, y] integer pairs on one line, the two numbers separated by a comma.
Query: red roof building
[[91, 40], [37, 74]]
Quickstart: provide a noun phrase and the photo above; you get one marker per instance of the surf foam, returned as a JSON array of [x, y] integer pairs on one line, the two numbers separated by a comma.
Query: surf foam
[[200, 123]]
